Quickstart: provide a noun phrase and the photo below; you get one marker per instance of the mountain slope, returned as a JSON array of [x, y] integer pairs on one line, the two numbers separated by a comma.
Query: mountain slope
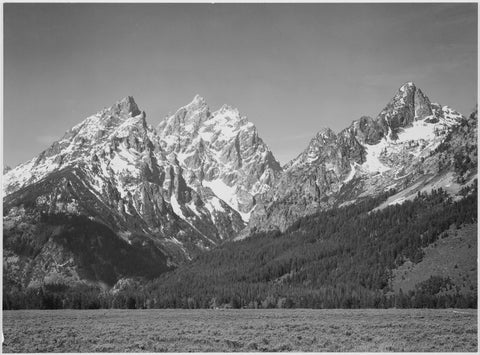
[[396, 151], [341, 258], [452, 257]]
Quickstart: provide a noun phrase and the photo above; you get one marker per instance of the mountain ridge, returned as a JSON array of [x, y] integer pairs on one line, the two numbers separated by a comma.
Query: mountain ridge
[[202, 178], [141, 192], [366, 158]]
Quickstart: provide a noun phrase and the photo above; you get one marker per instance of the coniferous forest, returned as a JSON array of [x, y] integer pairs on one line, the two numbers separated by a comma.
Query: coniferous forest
[[339, 258]]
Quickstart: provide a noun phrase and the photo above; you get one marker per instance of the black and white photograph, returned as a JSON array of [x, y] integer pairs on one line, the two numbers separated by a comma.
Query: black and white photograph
[[240, 177]]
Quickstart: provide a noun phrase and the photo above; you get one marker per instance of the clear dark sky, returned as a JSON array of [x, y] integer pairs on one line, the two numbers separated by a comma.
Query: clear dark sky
[[291, 68]]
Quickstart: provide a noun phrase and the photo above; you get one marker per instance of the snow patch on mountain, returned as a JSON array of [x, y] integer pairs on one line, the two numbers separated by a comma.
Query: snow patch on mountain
[[223, 191], [419, 130], [351, 175], [372, 162], [214, 205], [176, 207]]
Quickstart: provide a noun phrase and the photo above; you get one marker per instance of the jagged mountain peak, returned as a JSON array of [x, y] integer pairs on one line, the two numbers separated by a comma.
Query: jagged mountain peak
[[409, 94], [187, 117], [325, 132], [409, 104], [121, 116], [198, 99], [408, 89], [197, 103], [230, 116], [124, 107], [228, 108], [122, 124], [124, 112], [397, 149], [409, 85], [323, 137], [197, 115], [316, 149], [409, 98], [221, 149]]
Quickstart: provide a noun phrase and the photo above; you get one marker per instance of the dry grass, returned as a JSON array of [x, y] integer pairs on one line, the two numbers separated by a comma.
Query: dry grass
[[240, 330]]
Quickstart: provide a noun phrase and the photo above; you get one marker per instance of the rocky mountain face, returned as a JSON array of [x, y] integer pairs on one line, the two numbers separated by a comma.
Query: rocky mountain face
[[116, 197], [131, 186], [412, 145], [220, 151]]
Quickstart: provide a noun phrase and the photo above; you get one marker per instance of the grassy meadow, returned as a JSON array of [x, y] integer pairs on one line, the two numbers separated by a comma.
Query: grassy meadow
[[304, 330]]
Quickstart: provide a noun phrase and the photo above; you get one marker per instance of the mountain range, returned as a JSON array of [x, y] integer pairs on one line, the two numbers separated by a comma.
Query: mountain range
[[117, 198]]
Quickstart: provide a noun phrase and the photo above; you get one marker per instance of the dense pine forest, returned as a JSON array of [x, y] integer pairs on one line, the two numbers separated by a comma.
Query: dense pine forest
[[340, 258]]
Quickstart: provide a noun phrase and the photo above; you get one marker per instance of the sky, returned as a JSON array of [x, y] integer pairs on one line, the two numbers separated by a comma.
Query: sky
[[290, 68]]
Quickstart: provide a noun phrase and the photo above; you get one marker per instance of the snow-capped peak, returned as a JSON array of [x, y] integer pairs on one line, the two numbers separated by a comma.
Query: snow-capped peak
[[408, 147], [99, 133], [221, 148], [409, 104], [407, 119]]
